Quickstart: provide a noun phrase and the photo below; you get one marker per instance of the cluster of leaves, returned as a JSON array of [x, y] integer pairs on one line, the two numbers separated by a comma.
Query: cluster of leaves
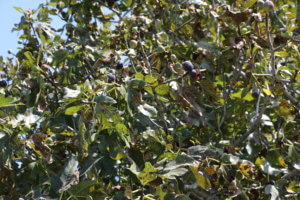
[[103, 109]]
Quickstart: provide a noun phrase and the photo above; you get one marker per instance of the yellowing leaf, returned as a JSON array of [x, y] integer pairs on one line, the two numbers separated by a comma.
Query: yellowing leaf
[[282, 54], [72, 110], [68, 133], [149, 79], [119, 156], [188, 30], [149, 90], [292, 186], [267, 92], [248, 97], [245, 169], [281, 161], [172, 27], [162, 89], [121, 128], [139, 76], [210, 171], [236, 95], [158, 64], [201, 180], [260, 160]]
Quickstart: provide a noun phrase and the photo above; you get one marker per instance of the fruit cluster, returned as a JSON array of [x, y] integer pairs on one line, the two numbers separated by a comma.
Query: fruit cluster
[[194, 73]]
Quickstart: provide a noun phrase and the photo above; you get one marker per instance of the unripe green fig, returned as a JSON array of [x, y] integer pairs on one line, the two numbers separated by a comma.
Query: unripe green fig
[[173, 57], [160, 49], [135, 29], [133, 44], [61, 5]]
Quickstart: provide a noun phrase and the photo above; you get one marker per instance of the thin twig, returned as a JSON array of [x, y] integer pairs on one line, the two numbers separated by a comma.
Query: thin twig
[[175, 79], [185, 23], [255, 124], [144, 54]]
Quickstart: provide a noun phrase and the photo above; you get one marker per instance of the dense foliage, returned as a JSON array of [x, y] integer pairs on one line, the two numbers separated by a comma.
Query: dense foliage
[[153, 99]]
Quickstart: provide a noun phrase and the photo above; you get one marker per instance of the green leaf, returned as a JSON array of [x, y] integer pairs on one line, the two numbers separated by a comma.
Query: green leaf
[[82, 189], [139, 76], [19, 9], [162, 89], [180, 161], [138, 84], [121, 128], [30, 57], [282, 54], [105, 99], [201, 180], [88, 164], [129, 3], [148, 174], [6, 101], [248, 4], [147, 110], [68, 173], [175, 172], [72, 110], [149, 79]]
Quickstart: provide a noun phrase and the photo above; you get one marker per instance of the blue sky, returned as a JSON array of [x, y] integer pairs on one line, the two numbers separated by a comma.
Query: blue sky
[[8, 17]]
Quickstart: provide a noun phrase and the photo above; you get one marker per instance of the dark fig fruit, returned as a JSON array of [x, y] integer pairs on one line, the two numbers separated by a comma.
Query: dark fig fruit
[[45, 67], [269, 4], [255, 95], [119, 65], [111, 77], [89, 77], [188, 66], [251, 66], [195, 74], [3, 83]]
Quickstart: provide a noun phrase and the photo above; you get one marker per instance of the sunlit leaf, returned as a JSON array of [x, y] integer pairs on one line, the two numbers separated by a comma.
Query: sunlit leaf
[[201, 180], [162, 89]]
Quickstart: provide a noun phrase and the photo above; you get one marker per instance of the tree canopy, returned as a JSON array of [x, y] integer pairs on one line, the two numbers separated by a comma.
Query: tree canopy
[[152, 99]]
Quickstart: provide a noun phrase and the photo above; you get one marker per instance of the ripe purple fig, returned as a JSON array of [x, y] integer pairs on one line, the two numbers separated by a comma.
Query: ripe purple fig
[[188, 66], [45, 67], [195, 74], [3, 83], [269, 4], [255, 95], [119, 65], [111, 77], [251, 66]]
